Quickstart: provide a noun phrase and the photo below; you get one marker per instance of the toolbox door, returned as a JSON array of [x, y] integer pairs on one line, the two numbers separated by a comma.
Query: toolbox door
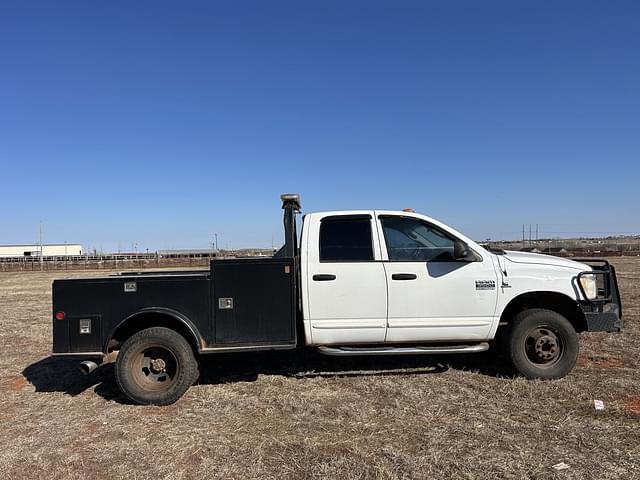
[[254, 301]]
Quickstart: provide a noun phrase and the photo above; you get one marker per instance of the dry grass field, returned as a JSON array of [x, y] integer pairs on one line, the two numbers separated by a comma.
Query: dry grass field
[[300, 415]]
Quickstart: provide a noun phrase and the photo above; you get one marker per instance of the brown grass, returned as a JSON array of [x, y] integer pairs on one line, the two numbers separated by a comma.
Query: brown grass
[[298, 415]]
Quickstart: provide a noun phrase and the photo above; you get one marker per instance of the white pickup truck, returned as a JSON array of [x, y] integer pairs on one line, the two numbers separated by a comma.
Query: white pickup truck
[[359, 282]]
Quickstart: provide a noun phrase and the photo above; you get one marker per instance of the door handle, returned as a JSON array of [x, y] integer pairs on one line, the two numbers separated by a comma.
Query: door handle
[[324, 277], [404, 276]]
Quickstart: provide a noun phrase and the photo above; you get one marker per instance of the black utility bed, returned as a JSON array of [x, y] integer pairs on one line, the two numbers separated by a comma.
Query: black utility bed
[[247, 303]]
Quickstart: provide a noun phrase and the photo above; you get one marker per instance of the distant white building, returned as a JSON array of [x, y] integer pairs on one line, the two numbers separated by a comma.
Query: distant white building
[[48, 250]]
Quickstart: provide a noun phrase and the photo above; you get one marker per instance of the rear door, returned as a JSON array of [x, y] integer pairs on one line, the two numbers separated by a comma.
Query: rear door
[[431, 295], [346, 283]]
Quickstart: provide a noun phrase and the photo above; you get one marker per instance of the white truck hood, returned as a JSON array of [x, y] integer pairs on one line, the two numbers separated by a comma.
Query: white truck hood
[[541, 259]]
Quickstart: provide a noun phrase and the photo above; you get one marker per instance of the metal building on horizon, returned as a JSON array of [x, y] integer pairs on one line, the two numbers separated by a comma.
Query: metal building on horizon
[[46, 249]]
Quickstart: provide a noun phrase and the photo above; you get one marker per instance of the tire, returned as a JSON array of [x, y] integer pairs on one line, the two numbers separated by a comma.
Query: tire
[[156, 366], [542, 344]]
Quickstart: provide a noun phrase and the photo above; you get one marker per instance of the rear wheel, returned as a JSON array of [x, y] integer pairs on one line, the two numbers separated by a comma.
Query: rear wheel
[[156, 366], [542, 344]]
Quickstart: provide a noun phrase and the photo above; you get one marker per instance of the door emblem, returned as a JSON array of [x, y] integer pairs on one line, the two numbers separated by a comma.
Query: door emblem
[[485, 285]]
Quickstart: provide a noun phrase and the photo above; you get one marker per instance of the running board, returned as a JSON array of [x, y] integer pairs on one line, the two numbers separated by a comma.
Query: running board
[[420, 350]]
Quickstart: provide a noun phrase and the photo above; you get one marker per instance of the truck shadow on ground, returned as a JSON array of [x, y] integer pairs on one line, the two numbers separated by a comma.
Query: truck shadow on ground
[[59, 374]]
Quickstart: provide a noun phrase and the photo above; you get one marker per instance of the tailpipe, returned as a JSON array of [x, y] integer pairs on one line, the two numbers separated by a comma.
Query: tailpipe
[[87, 367]]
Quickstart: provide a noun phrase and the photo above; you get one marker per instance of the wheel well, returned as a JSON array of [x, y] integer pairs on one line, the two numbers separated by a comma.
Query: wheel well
[[557, 302], [139, 322]]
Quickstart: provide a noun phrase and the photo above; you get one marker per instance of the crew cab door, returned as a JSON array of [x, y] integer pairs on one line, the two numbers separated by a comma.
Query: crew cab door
[[431, 295], [346, 290]]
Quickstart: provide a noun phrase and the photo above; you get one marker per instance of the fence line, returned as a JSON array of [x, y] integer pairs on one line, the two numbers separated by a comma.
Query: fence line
[[107, 262]]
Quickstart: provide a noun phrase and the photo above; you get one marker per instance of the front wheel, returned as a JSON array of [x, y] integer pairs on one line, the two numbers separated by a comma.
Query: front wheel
[[542, 344], [156, 366]]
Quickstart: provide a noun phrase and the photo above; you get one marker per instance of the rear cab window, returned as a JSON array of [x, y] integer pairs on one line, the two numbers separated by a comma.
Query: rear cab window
[[346, 239]]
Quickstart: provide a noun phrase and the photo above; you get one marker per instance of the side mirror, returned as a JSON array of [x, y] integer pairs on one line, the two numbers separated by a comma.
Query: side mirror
[[461, 251]]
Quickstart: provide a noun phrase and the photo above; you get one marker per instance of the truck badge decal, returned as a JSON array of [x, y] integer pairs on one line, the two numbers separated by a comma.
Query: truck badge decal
[[130, 287], [485, 285]]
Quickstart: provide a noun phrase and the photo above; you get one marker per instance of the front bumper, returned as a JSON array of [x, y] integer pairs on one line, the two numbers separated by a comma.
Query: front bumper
[[603, 314], [603, 322]]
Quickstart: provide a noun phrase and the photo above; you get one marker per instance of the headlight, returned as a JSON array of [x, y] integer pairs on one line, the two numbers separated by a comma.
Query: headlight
[[589, 286]]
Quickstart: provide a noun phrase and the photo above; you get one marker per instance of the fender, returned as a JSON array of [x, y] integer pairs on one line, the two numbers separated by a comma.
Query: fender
[[551, 299], [167, 312]]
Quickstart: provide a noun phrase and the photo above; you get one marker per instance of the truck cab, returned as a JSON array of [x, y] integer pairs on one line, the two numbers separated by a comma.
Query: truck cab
[[356, 282], [387, 277]]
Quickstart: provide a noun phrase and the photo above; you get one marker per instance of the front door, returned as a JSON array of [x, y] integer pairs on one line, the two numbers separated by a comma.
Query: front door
[[347, 290], [431, 295]]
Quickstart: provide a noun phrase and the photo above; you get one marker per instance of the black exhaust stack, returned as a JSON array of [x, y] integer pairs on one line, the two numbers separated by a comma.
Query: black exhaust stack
[[291, 206]]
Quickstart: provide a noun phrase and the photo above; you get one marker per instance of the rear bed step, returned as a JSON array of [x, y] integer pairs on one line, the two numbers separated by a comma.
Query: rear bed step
[[419, 350]]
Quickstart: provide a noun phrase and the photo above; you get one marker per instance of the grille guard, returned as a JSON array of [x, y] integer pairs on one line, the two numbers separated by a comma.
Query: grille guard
[[611, 292]]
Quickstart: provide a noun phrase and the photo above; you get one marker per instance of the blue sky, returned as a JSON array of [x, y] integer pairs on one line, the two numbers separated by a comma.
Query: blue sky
[[161, 123]]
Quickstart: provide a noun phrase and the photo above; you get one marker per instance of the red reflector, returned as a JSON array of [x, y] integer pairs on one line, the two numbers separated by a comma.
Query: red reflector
[[60, 315]]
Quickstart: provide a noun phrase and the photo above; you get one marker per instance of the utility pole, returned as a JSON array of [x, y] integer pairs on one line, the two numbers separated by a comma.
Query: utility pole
[[41, 251], [523, 235], [529, 234], [216, 237], [536, 233]]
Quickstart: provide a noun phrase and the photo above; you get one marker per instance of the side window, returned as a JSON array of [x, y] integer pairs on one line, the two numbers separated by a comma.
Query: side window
[[346, 239], [410, 239]]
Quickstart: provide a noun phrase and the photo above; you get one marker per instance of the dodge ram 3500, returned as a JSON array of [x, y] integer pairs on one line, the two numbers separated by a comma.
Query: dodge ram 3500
[[361, 282]]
